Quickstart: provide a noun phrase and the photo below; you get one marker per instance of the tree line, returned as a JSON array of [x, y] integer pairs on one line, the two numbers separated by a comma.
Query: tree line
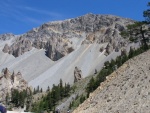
[[109, 67], [18, 98], [51, 99]]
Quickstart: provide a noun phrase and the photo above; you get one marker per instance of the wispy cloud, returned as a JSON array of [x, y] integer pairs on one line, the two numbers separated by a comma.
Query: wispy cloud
[[44, 12], [33, 20], [23, 13]]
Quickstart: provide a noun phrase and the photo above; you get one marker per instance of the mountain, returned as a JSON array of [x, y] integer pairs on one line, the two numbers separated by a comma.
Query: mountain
[[126, 90], [54, 50]]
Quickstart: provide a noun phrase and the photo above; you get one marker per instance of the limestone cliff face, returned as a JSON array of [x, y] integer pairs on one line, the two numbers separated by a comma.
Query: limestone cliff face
[[58, 38], [127, 90], [10, 81], [77, 74], [6, 48], [19, 47]]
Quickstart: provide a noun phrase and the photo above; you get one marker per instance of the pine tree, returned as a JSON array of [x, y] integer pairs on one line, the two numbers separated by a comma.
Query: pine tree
[[136, 32], [146, 13], [70, 105], [38, 89], [21, 99], [48, 89], [41, 90], [7, 98], [15, 97], [61, 89], [131, 53], [124, 58], [34, 91], [90, 87], [49, 99], [53, 94]]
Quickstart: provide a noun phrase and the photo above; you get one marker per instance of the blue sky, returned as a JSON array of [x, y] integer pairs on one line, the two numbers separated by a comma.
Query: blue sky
[[20, 16]]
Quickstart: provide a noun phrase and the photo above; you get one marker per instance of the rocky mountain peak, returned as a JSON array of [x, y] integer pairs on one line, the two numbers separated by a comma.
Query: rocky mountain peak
[[6, 36], [58, 37]]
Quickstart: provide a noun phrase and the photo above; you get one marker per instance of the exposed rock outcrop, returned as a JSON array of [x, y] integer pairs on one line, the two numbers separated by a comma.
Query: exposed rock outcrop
[[20, 46], [90, 38], [6, 73], [6, 48], [6, 36], [77, 74], [57, 48], [10, 81]]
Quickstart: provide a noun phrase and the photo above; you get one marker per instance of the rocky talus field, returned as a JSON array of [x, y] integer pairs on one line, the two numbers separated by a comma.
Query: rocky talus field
[[127, 90]]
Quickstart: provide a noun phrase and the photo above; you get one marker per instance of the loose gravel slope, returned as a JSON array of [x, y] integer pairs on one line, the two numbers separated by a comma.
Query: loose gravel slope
[[125, 91]]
